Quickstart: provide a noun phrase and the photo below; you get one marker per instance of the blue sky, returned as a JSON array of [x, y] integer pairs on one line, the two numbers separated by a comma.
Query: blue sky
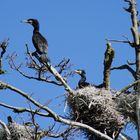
[[75, 29]]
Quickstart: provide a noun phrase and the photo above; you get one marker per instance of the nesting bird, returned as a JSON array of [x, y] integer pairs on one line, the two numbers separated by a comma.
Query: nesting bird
[[20, 132], [82, 82], [39, 42]]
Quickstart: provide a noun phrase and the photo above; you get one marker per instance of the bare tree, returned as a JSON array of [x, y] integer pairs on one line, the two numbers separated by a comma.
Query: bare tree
[[96, 111]]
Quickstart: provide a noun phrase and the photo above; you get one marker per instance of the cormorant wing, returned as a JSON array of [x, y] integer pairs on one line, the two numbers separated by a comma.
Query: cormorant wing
[[40, 43]]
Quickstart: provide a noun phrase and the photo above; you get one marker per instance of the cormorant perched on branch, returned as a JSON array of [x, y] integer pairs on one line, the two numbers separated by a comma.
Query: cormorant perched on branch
[[82, 82], [38, 40]]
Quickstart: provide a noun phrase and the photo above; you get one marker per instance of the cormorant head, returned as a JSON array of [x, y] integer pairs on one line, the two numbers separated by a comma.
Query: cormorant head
[[33, 22], [80, 72]]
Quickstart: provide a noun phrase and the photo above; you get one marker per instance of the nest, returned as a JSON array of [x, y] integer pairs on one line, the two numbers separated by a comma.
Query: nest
[[99, 109], [126, 104], [18, 132]]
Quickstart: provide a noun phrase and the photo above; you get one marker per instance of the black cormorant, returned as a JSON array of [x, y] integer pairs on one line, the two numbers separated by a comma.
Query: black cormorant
[[82, 82], [10, 120], [40, 43]]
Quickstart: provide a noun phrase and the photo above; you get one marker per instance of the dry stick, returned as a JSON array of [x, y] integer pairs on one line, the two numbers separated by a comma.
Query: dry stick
[[109, 55], [53, 114]]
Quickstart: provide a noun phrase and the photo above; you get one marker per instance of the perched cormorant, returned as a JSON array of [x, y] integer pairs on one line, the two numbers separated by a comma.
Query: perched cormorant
[[82, 82], [40, 43]]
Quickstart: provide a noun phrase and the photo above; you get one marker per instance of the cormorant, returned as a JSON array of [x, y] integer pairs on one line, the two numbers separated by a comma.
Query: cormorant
[[82, 82], [39, 42], [10, 120]]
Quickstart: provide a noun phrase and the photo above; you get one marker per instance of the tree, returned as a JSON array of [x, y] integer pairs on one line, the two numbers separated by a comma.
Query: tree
[[112, 109]]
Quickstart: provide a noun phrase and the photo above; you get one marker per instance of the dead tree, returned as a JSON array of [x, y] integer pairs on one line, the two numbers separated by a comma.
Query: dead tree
[[97, 111]]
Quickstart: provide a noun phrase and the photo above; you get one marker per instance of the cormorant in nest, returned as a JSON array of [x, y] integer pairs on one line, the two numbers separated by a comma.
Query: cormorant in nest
[[82, 82], [40, 43]]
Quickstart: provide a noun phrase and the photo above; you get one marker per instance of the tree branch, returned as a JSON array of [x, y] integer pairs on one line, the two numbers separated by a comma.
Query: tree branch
[[55, 135], [122, 41], [21, 110], [39, 78], [127, 87], [134, 29], [125, 66], [57, 76]]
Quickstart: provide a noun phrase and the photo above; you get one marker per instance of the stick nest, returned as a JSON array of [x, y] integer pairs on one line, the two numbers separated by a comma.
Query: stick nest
[[99, 109]]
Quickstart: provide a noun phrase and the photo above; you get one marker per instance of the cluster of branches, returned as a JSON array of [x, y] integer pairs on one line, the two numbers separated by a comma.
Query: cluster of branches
[[43, 110]]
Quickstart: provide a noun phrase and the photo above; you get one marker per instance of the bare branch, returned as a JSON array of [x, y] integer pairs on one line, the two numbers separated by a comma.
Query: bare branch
[[21, 110], [39, 78], [37, 67], [127, 87], [57, 76], [56, 135], [125, 67], [134, 13], [122, 41]]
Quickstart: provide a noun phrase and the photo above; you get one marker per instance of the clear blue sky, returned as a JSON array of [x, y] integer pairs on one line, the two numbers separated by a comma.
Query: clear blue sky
[[75, 29]]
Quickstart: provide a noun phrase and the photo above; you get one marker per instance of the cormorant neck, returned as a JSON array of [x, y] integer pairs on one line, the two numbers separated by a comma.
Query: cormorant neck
[[36, 28], [83, 78]]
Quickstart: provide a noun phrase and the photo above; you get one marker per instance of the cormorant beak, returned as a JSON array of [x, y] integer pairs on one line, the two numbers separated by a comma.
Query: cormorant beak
[[26, 21], [77, 71]]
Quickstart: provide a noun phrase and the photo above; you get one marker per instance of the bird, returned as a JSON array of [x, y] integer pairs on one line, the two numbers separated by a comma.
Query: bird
[[82, 82], [18, 131], [10, 120], [39, 42]]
